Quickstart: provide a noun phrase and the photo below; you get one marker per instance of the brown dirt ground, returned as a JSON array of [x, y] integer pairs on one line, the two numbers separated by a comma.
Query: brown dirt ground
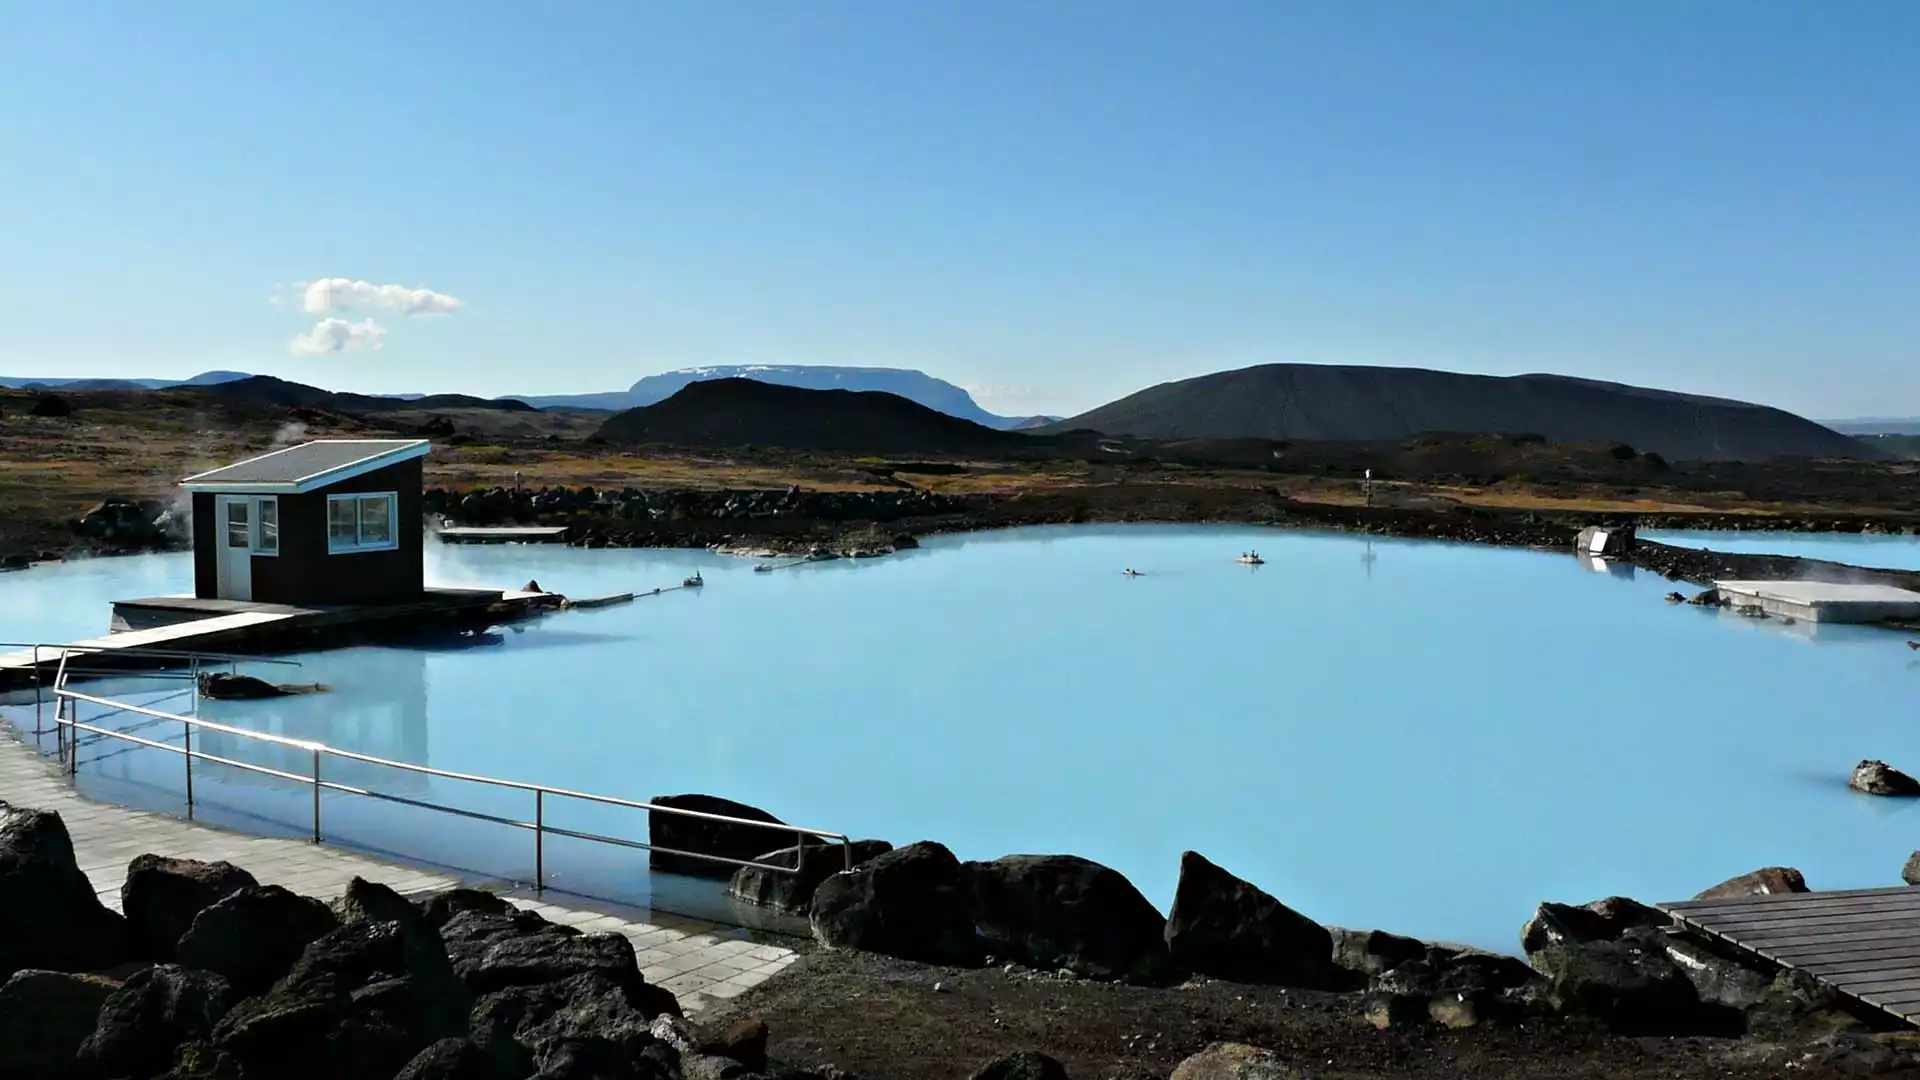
[[881, 1019]]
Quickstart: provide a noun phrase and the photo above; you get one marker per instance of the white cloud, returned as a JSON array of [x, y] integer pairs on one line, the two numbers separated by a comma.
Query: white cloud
[[337, 335], [337, 293]]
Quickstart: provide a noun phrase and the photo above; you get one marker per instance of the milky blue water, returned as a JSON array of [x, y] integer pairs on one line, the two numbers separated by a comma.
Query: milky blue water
[[1424, 737], [1886, 552]]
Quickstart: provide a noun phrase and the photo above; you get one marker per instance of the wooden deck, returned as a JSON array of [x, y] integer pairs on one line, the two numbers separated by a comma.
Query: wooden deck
[[1862, 942]]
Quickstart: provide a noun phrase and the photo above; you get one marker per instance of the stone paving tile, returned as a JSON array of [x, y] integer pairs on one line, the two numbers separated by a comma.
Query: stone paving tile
[[702, 962]]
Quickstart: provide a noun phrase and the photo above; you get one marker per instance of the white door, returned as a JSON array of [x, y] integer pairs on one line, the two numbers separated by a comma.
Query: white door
[[235, 516]]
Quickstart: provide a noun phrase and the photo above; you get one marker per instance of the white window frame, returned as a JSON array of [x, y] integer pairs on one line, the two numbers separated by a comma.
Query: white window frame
[[260, 501], [391, 543]]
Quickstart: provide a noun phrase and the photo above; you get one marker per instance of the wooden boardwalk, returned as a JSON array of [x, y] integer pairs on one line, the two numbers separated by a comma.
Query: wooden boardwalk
[[1862, 942]]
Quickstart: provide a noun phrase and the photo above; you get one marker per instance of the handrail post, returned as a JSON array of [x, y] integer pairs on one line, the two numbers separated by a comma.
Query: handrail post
[[539, 839], [37, 726], [186, 731], [799, 853], [316, 795]]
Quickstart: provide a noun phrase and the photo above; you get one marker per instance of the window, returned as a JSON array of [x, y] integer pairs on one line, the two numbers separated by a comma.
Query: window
[[239, 532], [268, 517], [361, 523]]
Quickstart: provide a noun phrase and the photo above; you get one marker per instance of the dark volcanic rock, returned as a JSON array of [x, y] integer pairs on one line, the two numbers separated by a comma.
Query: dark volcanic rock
[[793, 892], [520, 1026], [1235, 1061], [441, 907], [253, 936], [1880, 778], [1601, 920], [494, 952], [161, 897], [1371, 952], [914, 903], [707, 837], [1765, 881], [222, 686], [368, 901], [1025, 1065], [1065, 912], [744, 1040], [1224, 927], [153, 1012], [53, 921], [1631, 985], [1910, 873], [451, 1059], [44, 1017], [363, 1000]]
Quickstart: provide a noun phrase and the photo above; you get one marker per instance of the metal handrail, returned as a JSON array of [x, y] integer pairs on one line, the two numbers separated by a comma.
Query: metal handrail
[[194, 661], [67, 721], [135, 650]]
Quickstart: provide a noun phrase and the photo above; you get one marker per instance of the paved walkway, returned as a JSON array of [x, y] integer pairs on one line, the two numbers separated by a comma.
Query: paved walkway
[[700, 962]]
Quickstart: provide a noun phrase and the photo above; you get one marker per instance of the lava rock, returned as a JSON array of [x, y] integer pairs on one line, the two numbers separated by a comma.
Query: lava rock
[[252, 937], [121, 521], [161, 897], [1910, 873], [50, 405], [1879, 778], [1057, 912], [221, 686], [450, 1059], [1371, 952], [53, 922], [1601, 920], [793, 892], [1631, 985], [363, 1000], [707, 837], [520, 1026], [494, 952], [1025, 1065], [1765, 881], [914, 902], [744, 1040], [368, 901], [44, 1017], [150, 1014], [1236, 1061], [441, 907], [1229, 929]]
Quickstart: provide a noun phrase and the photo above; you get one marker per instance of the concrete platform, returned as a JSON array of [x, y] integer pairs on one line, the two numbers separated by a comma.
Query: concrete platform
[[703, 963], [1819, 601]]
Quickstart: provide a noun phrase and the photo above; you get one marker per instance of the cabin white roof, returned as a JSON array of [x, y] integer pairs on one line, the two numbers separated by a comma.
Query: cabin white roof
[[310, 466]]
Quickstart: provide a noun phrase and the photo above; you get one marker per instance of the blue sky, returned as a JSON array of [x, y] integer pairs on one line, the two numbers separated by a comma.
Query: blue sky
[[1054, 203]]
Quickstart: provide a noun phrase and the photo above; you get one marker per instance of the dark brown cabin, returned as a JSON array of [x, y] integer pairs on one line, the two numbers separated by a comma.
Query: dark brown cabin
[[337, 521]]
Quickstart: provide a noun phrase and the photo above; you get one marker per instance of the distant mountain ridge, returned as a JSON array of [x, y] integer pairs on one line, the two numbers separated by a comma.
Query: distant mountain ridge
[[1341, 403], [916, 386], [738, 412], [205, 378]]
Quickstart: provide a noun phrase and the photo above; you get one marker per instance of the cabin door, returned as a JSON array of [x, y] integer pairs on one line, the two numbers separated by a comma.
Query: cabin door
[[234, 513]]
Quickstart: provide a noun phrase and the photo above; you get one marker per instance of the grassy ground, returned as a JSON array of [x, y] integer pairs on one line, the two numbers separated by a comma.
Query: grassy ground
[[54, 468]]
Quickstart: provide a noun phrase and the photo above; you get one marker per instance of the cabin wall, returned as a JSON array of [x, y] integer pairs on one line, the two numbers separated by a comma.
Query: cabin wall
[[206, 550], [305, 573]]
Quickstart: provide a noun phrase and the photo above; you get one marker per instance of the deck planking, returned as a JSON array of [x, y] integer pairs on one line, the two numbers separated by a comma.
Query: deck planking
[[1864, 943]]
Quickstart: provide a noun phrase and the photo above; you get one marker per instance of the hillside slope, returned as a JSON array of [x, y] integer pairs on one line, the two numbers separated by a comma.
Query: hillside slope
[[917, 386], [748, 412], [1325, 402]]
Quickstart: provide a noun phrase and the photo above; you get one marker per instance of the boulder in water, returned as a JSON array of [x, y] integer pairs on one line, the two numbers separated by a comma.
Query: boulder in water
[[777, 884], [1879, 778], [705, 836]]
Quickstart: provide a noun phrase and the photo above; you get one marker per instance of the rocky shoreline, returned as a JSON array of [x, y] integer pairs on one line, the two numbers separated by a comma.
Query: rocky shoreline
[[210, 976]]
